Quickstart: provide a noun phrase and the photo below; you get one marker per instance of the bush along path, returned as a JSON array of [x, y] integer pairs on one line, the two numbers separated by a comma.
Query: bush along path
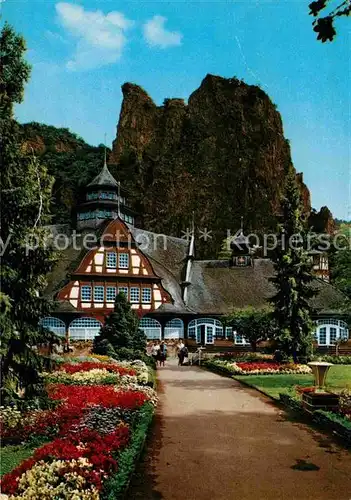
[[219, 439], [90, 436]]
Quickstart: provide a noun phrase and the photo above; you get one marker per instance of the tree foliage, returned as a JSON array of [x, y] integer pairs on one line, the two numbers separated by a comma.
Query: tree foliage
[[340, 260], [121, 331], [26, 257], [293, 275], [70, 161], [256, 325], [325, 16]]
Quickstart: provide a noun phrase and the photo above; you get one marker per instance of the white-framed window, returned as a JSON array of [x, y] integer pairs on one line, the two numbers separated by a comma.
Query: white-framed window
[[111, 293], [84, 328], [332, 334], [135, 294], [330, 330], [111, 260], [229, 332], [99, 293], [146, 295], [209, 334], [240, 339], [322, 337], [174, 329], [211, 327], [103, 214], [55, 325], [123, 289], [192, 332], [344, 334], [123, 260], [151, 328], [85, 293]]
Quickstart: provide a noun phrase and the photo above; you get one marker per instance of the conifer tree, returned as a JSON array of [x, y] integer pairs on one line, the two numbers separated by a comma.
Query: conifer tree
[[293, 277], [25, 256], [121, 330]]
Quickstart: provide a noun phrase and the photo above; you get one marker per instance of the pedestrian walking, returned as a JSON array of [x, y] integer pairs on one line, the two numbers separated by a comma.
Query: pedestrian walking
[[180, 349], [162, 354], [155, 351]]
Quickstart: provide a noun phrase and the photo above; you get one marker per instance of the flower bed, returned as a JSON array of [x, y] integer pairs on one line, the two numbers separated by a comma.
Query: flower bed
[[90, 373], [255, 368], [244, 356], [88, 429], [87, 366]]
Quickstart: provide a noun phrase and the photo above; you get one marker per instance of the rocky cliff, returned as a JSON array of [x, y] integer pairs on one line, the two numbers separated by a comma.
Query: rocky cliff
[[221, 156]]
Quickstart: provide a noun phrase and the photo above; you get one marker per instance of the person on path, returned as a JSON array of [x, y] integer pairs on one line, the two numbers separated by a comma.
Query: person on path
[[155, 351], [162, 353], [185, 355], [180, 348]]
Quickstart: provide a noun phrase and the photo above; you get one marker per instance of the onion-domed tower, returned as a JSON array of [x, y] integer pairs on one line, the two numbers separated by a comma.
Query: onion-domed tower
[[104, 200]]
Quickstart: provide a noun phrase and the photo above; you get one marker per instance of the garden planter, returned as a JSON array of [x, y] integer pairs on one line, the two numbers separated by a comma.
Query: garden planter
[[319, 399], [320, 370], [313, 401]]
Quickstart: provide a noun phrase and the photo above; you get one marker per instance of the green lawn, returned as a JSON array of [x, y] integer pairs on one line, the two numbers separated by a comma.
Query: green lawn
[[339, 377], [11, 456]]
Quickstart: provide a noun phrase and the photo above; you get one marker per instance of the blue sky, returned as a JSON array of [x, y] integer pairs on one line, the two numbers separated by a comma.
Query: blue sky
[[83, 51]]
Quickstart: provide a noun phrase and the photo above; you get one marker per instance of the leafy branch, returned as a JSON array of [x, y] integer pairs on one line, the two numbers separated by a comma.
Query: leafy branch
[[324, 25]]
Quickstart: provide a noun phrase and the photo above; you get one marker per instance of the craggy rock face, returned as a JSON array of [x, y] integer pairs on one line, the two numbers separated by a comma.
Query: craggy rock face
[[221, 156], [322, 221]]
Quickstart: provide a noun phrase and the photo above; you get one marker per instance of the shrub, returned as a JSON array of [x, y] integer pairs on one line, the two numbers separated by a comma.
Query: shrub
[[345, 403], [336, 360]]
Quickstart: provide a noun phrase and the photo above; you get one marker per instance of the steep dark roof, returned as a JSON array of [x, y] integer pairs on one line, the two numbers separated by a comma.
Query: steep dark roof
[[218, 289], [215, 287], [104, 178], [168, 251], [167, 256]]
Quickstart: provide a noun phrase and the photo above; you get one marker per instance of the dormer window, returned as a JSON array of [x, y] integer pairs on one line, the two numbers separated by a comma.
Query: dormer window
[[123, 261], [111, 260]]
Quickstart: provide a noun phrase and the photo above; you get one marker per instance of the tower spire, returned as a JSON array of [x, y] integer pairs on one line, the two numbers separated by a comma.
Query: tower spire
[[105, 163], [242, 223], [119, 199]]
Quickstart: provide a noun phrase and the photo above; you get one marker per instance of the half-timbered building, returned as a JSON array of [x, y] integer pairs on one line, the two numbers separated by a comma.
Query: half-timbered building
[[174, 295]]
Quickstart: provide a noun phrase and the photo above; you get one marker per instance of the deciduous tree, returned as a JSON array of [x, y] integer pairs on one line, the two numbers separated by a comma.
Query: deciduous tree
[[26, 257], [256, 325]]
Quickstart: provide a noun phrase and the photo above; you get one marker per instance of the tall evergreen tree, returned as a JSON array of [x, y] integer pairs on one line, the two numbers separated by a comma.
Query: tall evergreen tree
[[293, 276], [26, 257], [121, 330]]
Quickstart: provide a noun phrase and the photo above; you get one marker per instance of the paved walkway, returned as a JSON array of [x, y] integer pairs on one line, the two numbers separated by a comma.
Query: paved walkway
[[216, 440]]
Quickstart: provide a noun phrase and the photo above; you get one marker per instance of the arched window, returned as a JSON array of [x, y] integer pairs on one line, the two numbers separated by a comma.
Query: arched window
[[151, 328], [329, 330], [174, 329], [205, 330], [55, 325], [84, 328]]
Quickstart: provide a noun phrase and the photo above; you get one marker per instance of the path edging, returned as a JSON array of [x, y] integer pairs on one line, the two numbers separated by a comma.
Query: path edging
[[287, 402]]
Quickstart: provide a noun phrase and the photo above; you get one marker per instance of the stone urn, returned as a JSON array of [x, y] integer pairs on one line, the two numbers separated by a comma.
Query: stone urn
[[320, 399], [320, 370]]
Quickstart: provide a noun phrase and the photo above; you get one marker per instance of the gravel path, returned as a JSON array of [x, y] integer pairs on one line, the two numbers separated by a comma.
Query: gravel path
[[216, 440]]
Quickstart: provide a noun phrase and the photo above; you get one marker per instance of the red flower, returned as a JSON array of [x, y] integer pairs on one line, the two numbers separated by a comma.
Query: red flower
[[86, 366], [262, 365], [98, 449]]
